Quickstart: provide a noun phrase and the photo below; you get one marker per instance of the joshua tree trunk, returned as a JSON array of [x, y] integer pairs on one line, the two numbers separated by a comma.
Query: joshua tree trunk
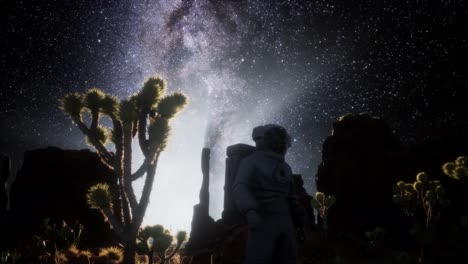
[[129, 252], [139, 213]]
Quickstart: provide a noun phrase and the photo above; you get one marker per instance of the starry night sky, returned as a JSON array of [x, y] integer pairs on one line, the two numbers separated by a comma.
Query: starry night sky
[[243, 63]]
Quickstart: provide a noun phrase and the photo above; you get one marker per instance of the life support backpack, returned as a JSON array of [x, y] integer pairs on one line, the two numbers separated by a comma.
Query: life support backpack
[[235, 154]]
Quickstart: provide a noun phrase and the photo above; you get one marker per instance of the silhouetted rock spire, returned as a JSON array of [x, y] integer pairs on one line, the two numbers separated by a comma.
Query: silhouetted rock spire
[[205, 188], [203, 226]]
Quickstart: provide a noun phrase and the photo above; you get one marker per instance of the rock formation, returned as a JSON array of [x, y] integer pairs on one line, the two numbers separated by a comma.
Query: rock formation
[[5, 166], [304, 199], [358, 168], [224, 240], [52, 183], [362, 160], [203, 226]]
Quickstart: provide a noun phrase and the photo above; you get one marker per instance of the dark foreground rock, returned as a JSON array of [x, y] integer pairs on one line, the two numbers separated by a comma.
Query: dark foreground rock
[[52, 183]]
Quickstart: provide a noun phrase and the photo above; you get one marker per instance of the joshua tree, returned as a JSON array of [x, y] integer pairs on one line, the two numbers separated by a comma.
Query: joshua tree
[[430, 195], [458, 170], [421, 194], [144, 115], [404, 196], [155, 239]]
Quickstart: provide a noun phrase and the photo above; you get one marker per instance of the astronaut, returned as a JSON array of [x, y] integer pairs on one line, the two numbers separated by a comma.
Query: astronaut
[[264, 192]]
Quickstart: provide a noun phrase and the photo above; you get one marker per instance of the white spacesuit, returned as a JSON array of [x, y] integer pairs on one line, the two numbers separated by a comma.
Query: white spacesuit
[[264, 193]]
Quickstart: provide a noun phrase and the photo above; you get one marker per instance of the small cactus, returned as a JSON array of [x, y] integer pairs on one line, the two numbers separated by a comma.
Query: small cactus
[[322, 203]]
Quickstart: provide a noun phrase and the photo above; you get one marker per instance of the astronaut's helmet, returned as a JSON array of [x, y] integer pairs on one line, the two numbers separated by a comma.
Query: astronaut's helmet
[[272, 137]]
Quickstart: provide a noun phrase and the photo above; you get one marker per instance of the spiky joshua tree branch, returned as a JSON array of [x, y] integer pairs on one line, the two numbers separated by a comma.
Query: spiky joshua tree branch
[[144, 115]]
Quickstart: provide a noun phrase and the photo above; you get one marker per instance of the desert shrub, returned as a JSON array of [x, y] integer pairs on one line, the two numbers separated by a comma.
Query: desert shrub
[[53, 239]]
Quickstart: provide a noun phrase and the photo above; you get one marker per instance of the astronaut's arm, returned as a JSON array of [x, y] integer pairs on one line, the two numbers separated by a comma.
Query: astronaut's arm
[[297, 209], [243, 196]]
